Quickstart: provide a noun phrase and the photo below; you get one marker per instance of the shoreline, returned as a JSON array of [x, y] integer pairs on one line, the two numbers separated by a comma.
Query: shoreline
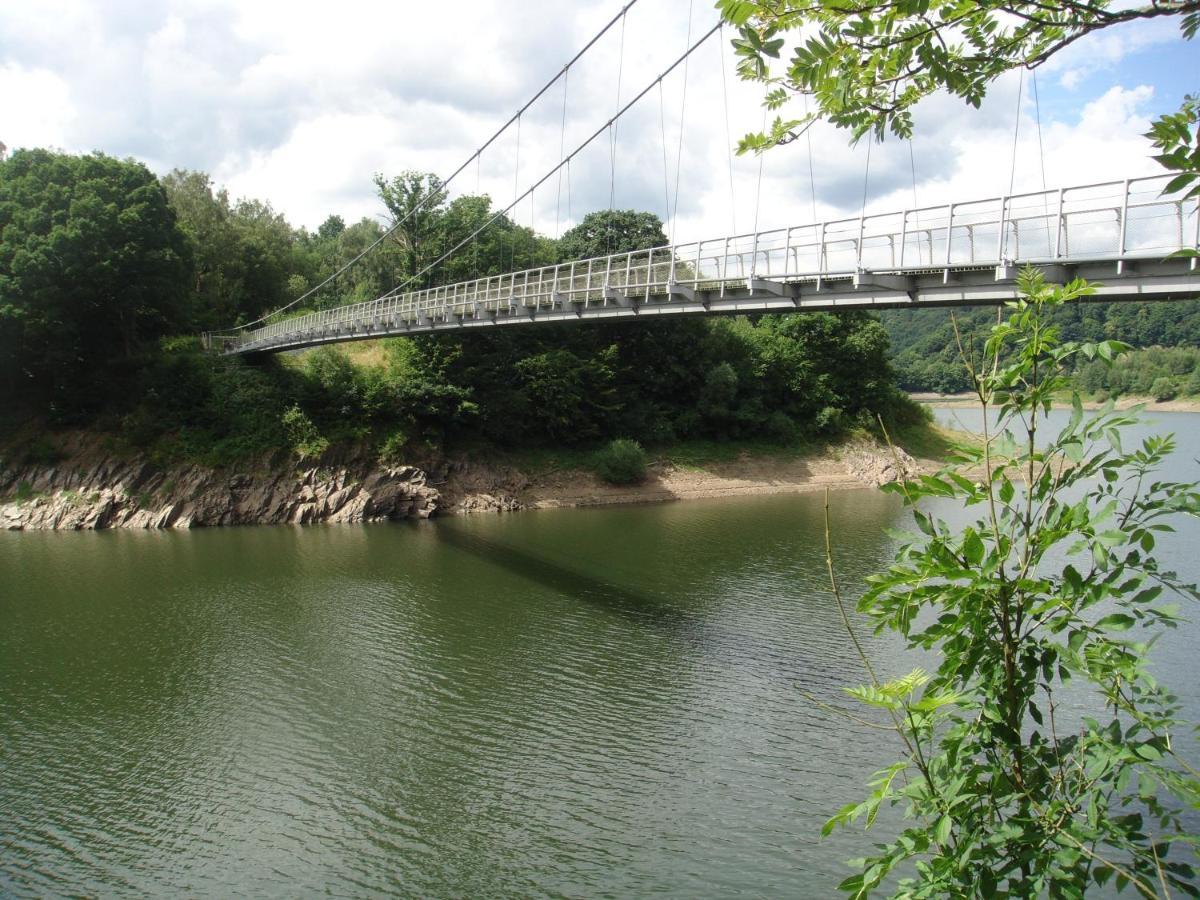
[[958, 401], [855, 464], [91, 489]]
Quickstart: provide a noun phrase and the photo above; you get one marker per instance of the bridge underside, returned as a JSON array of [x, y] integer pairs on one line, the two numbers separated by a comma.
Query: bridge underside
[[974, 285]]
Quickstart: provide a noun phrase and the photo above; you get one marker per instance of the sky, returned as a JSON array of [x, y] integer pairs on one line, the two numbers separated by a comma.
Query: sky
[[301, 104]]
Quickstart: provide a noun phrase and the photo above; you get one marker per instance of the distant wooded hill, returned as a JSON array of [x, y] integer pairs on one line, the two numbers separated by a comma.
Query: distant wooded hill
[[926, 358]]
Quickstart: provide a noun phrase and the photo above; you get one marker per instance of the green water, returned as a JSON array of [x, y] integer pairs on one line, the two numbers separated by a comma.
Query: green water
[[576, 702]]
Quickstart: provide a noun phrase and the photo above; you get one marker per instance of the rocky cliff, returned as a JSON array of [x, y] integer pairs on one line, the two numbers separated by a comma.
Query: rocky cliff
[[93, 488]]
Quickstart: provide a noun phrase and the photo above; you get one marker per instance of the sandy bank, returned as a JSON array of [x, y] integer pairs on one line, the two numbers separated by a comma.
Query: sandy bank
[[479, 488], [954, 401]]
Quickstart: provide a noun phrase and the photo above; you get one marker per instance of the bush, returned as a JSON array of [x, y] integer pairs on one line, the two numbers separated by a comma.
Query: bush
[[1192, 388], [302, 434], [621, 462], [782, 427], [391, 449], [1163, 389]]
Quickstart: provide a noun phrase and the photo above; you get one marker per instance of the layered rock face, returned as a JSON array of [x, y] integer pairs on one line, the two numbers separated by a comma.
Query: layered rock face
[[878, 466], [93, 489]]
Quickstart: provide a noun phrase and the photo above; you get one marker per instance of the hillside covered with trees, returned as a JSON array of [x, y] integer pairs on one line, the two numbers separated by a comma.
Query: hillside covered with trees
[[108, 274], [925, 352]]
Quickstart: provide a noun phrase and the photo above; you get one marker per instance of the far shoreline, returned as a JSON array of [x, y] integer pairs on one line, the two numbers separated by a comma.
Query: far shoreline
[[960, 401]]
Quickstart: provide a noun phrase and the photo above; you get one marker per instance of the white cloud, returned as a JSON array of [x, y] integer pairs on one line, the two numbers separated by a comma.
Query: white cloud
[[1106, 49], [35, 107], [301, 103]]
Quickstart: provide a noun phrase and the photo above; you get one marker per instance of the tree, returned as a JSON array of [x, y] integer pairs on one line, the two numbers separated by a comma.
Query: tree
[[245, 253], [92, 266], [1008, 791], [415, 202], [867, 63], [612, 231]]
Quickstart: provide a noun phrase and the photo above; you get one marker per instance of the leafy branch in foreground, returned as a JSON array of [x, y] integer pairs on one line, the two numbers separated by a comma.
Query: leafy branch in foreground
[[867, 63], [1053, 591]]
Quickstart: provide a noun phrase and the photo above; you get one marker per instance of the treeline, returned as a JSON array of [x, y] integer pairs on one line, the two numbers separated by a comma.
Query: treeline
[[108, 273], [1160, 373], [925, 352]]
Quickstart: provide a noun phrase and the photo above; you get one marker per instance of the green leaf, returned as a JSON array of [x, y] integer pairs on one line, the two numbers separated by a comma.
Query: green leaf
[[1117, 622], [941, 831], [972, 548]]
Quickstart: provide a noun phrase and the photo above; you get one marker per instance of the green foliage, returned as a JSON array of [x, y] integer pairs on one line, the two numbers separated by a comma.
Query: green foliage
[[393, 447], [1177, 136], [92, 267], [302, 434], [247, 257], [1006, 791], [867, 63], [925, 350], [415, 201], [621, 462], [612, 231], [190, 258], [1163, 389]]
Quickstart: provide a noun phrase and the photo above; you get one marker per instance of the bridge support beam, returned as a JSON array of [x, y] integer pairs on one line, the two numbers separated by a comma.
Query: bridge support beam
[[565, 303], [618, 298], [682, 291], [763, 286], [1054, 273], [901, 284]]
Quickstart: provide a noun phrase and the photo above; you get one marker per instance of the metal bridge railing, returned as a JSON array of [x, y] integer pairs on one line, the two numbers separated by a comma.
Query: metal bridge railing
[[1117, 219]]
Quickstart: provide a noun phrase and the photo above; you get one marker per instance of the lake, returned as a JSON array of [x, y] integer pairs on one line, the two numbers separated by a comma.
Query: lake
[[605, 701]]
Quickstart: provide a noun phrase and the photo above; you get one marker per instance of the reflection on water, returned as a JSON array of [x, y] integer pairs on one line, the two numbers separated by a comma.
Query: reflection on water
[[563, 702]]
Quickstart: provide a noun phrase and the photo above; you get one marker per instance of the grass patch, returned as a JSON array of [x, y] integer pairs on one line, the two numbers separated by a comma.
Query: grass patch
[[694, 454], [699, 454], [931, 441]]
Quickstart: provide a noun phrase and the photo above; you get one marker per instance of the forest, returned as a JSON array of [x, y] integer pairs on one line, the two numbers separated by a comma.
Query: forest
[[108, 274], [926, 357]]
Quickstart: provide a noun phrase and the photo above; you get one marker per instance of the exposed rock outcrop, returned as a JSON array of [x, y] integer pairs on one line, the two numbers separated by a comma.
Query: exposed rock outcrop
[[96, 489], [878, 466], [475, 487]]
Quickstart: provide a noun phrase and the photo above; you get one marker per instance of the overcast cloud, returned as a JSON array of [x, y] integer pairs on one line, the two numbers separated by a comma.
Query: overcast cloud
[[300, 104]]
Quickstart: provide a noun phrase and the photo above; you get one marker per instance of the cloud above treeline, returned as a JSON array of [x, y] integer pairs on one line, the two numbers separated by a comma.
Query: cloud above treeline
[[300, 104]]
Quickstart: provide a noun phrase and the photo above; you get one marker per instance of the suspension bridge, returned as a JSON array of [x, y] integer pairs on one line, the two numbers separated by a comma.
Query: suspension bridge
[[1125, 236]]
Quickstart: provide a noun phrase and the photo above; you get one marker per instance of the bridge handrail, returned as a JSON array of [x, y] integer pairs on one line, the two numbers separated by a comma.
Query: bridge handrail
[[836, 248]]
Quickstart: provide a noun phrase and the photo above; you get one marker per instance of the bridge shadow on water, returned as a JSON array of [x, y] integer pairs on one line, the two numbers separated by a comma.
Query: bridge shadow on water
[[692, 628], [624, 601]]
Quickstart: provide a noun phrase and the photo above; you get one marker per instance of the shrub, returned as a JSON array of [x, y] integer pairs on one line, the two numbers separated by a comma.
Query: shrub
[[302, 434], [781, 427], [1192, 388], [1055, 581], [621, 462], [1163, 389], [828, 420], [391, 448]]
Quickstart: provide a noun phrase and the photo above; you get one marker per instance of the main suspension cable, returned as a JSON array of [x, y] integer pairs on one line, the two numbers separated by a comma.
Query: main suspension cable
[[619, 17], [567, 162]]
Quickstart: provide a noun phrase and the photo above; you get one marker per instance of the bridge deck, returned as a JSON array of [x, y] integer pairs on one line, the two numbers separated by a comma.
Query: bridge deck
[[1117, 233]]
